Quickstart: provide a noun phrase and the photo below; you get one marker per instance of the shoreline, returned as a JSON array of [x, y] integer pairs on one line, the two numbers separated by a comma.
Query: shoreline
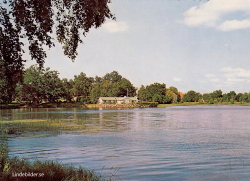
[[107, 106], [76, 105]]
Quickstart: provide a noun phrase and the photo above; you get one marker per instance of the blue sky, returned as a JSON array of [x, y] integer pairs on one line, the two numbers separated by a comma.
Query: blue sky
[[190, 44]]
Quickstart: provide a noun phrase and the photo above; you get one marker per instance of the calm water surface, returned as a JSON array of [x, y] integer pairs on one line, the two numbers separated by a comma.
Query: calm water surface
[[173, 143]]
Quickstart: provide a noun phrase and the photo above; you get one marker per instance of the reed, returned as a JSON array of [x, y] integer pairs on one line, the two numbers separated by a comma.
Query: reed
[[55, 125], [13, 169]]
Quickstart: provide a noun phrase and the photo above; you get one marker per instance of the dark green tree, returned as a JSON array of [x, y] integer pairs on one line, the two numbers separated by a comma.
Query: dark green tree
[[246, 97], [239, 97], [82, 87], [113, 77], [153, 93], [11, 63], [35, 22], [40, 84], [142, 94], [67, 89], [154, 89], [191, 96], [112, 85], [206, 97], [216, 94]]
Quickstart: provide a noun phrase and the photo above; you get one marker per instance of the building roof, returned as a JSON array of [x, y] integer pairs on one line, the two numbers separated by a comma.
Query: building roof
[[117, 98]]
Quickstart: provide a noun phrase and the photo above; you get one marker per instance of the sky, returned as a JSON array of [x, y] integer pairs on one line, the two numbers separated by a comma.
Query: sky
[[195, 45]]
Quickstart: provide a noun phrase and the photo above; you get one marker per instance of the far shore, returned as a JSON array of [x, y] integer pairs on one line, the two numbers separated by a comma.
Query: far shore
[[75, 105], [107, 106], [197, 103]]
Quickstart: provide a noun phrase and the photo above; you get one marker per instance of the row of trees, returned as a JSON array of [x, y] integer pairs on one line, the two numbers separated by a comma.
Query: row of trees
[[159, 93], [216, 97], [44, 85]]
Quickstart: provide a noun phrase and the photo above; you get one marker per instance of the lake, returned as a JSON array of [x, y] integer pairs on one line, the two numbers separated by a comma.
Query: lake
[[172, 143]]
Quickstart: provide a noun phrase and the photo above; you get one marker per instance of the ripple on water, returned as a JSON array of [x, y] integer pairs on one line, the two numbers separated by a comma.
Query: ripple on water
[[175, 143]]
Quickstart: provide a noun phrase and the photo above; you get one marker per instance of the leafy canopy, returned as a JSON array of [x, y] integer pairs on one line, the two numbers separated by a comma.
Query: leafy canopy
[[37, 20]]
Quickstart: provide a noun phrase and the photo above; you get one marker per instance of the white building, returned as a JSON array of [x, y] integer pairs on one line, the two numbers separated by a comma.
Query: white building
[[117, 100]]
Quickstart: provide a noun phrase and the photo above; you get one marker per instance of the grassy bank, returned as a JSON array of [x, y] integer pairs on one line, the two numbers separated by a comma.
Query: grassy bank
[[13, 169], [197, 103]]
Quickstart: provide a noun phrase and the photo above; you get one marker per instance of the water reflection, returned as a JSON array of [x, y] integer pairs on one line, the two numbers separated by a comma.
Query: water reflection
[[174, 143]]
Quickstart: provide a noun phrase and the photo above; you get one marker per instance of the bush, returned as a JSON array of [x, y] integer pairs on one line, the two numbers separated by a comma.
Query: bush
[[16, 169], [150, 104]]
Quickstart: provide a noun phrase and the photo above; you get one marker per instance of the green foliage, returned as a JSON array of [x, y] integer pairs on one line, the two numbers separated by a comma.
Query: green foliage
[[11, 63], [150, 104], [3, 156], [67, 86], [173, 95], [211, 101], [112, 85], [142, 93], [191, 96], [153, 93], [40, 84], [206, 97], [216, 94], [82, 86], [33, 22]]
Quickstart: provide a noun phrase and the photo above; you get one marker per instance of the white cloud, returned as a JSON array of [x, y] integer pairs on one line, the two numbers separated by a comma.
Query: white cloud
[[114, 27], [176, 79], [213, 12], [234, 25], [235, 73], [212, 78]]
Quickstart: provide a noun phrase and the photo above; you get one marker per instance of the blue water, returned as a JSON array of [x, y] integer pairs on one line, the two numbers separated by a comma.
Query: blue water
[[173, 143]]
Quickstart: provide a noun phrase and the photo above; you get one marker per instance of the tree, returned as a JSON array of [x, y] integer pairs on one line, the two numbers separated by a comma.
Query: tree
[[113, 77], [216, 94], [191, 96], [153, 93], [82, 87], [239, 97], [112, 85], [142, 94], [36, 22], [173, 94], [206, 97], [246, 97], [126, 88], [11, 63], [52, 85], [67, 89], [40, 84]]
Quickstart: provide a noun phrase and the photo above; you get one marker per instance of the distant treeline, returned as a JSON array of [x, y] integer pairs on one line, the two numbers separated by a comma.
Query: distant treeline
[[44, 85]]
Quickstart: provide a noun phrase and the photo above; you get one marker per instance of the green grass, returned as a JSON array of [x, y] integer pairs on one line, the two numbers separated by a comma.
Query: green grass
[[197, 103], [13, 169], [38, 125], [179, 104]]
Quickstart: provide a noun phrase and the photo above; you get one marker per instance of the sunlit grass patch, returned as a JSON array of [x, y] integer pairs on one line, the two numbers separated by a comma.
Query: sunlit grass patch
[[40, 127], [56, 125]]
